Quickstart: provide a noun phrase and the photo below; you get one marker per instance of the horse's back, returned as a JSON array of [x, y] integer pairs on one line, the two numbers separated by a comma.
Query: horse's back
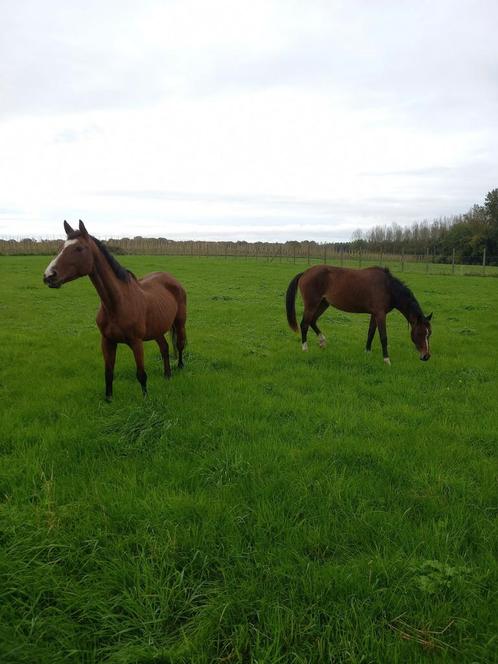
[[353, 290], [158, 281]]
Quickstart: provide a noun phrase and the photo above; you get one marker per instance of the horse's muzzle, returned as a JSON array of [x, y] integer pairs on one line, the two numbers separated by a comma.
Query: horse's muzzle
[[425, 357], [51, 281]]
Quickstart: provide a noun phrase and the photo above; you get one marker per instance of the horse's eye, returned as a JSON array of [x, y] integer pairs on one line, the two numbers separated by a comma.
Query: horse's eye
[[79, 248]]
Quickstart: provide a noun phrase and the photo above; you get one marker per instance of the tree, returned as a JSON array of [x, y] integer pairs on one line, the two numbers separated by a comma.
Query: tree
[[491, 205], [468, 234]]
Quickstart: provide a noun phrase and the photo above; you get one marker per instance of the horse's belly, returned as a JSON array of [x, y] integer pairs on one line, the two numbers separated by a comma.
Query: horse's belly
[[160, 319], [118, 331], [122, 335], [351, 308], [155, 333], [349, 304]]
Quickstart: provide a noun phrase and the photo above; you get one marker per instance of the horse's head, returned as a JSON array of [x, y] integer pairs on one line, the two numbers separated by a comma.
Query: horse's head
[[421, 332], [74, 260]]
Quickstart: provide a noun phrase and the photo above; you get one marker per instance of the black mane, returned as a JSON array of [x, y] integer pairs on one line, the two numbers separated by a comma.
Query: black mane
[[402, 295], [121, 272]]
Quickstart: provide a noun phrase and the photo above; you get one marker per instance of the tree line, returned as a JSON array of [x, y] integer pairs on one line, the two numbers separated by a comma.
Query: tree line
[[463, 238], [468, 235]]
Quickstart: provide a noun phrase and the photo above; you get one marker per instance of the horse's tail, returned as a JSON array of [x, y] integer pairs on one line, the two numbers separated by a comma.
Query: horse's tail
[[174, 339], [290, 302]]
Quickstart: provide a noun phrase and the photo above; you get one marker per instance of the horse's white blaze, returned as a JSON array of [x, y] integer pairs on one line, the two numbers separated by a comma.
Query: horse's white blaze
[[53, 263], [305, 346], [51, 266]]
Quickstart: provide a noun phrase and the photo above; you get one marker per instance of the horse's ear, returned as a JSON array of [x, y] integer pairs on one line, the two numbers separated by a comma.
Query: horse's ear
[[83, 229], [67, 228], [428, 318]]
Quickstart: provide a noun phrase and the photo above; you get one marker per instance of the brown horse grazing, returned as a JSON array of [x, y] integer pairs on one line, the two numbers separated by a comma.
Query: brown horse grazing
[[131, 310], [373, 290]]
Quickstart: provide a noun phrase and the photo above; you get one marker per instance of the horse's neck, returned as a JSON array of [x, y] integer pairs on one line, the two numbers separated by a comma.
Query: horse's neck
[[106, 283], [409, 307]]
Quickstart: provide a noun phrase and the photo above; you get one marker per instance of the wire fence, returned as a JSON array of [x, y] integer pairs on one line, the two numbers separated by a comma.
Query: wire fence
[[307, 253]]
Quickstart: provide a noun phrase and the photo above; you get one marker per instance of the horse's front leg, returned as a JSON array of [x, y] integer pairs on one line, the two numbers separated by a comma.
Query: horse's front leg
[[137, 347], [381, 324], [109, 353], [371, 333]]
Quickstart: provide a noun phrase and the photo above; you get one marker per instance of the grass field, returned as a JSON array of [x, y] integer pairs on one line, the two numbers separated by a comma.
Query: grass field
[[265, 505]]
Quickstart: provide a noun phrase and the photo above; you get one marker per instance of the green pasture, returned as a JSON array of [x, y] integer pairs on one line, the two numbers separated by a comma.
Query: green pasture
[[265, 505]]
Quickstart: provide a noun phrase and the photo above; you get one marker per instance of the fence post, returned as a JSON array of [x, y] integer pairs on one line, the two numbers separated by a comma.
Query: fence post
[[294, 252], [308, 248], [325, 254], [427, 260], [453, 261], [342, 257], [484, 261]]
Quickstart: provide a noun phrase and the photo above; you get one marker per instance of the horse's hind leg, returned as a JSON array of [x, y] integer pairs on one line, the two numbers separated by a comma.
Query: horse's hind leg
[[137, 347], [371, 333], [164, 348], [307, 320], [181, 337], [321, 308], [304, 325]]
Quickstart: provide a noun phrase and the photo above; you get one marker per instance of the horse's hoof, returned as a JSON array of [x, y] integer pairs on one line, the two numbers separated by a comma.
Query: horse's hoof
[[322, 342], [305, 347], [108, 399], [387, 361]]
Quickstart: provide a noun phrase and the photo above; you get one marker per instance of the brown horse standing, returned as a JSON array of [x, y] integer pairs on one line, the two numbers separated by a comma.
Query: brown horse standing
[[373, 291], [132, 310]]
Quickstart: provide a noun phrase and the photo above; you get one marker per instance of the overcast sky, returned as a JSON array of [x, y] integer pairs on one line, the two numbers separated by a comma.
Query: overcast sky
[[251, 119]]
